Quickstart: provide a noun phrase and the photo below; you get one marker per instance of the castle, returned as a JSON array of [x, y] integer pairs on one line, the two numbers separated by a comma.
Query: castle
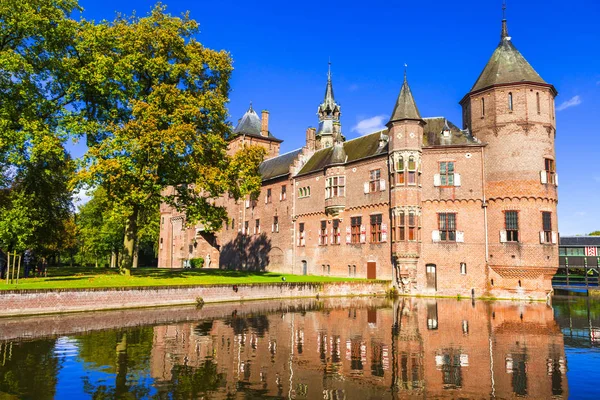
[[437, 209]]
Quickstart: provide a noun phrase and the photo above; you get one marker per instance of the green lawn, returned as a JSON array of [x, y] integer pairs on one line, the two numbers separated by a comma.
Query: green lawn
[[69, 278]]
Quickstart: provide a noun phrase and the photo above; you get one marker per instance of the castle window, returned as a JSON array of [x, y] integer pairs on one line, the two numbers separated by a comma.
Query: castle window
[[355, 223], [301, 241], [374, 180], [400, 171], [268, 197], [323, 234], [511, 224], [550, 170], [376, 221], [335, 187], [233, 223], [510, 101], [447, 226], [257, 227], [412, 226], [402, 228], [246, 226], [275, 227], [537, 102], [336, 232], [447, 173], [463, 268], [412, 171], [547, 226], [482, 107], [283, 195], [304, 192]]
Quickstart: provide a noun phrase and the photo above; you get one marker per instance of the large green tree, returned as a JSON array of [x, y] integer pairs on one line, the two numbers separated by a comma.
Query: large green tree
[[155, 117], [35, 96]]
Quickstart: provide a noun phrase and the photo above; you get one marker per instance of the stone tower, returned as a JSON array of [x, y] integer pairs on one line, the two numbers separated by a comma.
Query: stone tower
[[329, 113], [510, 108], [405, 154]]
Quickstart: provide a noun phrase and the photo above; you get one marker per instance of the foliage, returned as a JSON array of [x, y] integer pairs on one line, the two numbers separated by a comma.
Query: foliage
[[100, 227], [197, 262], [35, 96], [155, 118], [595, 233]]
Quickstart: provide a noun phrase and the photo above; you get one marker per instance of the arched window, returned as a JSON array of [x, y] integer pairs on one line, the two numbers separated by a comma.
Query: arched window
[[482, 107], [400, 171], [537, 101], [510, 101]]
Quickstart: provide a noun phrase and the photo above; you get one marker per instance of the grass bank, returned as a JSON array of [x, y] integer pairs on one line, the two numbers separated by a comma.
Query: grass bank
[[82, 278]]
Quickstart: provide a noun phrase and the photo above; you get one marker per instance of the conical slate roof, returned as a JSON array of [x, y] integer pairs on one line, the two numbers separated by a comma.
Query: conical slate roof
[[249, 124], [405, 107], [506, 65]]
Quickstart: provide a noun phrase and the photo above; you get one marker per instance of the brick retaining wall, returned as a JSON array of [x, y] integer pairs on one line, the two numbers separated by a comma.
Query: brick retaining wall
[[27, 302]]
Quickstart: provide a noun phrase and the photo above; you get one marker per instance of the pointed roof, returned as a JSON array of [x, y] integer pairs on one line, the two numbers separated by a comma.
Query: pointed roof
[[405, 107], [250, 125], [329, 100], [506, 65]]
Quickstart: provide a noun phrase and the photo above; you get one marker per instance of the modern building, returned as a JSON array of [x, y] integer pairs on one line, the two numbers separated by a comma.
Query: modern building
[[435, 208]]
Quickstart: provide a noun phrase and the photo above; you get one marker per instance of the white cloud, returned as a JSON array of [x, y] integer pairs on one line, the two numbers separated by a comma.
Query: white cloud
[[370, 125], [81, 197], [572, 102]]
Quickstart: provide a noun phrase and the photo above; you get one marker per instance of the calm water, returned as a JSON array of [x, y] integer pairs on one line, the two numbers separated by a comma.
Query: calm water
[[332, 349]]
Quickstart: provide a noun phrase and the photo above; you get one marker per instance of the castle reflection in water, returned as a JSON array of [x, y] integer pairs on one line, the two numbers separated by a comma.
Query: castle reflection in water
[[343, 348], [368, 349]]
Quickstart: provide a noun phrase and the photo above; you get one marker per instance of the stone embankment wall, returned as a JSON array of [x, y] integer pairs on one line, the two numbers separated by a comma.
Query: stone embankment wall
[[28, 302]]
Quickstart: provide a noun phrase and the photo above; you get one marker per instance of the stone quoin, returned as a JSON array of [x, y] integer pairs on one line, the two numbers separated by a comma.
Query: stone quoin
[[437, 209]]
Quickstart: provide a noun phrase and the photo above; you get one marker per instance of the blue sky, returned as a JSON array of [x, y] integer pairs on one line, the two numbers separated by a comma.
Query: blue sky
[[280, 51]]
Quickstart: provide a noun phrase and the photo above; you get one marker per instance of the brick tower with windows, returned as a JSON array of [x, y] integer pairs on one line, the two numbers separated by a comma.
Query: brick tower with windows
[[405, 154], [511, 109]]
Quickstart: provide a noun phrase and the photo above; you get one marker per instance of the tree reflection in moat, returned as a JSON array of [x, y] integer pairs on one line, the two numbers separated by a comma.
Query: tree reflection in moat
[[334, 349]]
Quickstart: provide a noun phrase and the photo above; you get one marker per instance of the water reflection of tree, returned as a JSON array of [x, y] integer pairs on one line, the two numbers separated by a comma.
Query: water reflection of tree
[[28, 370], [124, 353], [189, 382]]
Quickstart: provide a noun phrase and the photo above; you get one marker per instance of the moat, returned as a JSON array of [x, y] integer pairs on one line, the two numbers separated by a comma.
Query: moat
[[344, 348]]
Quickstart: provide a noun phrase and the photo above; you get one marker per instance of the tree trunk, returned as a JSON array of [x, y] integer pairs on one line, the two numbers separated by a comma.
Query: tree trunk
[[136, 253], [129, 242], [113, 259]]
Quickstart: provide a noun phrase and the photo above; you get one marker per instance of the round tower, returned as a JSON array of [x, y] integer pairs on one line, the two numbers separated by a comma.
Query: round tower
[[510, 108], [405, 154]]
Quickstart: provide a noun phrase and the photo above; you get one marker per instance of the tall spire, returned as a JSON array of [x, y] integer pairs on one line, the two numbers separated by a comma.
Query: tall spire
[[504, 32], [405, 107], [329, 99]]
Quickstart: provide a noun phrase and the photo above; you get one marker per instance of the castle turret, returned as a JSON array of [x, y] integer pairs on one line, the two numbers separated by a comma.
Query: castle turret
[[510, 108], [405, 153], [329, 113]]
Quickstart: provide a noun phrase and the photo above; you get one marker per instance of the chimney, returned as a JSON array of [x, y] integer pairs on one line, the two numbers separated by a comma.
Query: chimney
[[264, 125], [310, 138]]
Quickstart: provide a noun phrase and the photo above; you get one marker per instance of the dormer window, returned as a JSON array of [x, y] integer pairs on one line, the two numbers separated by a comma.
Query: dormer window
[[510, 101]]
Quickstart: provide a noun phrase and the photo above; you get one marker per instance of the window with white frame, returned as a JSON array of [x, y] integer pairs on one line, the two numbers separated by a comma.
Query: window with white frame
[[335, 186], [447, 173]]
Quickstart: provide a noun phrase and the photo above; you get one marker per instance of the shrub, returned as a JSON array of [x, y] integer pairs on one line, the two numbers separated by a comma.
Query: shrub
[[197, 262]]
